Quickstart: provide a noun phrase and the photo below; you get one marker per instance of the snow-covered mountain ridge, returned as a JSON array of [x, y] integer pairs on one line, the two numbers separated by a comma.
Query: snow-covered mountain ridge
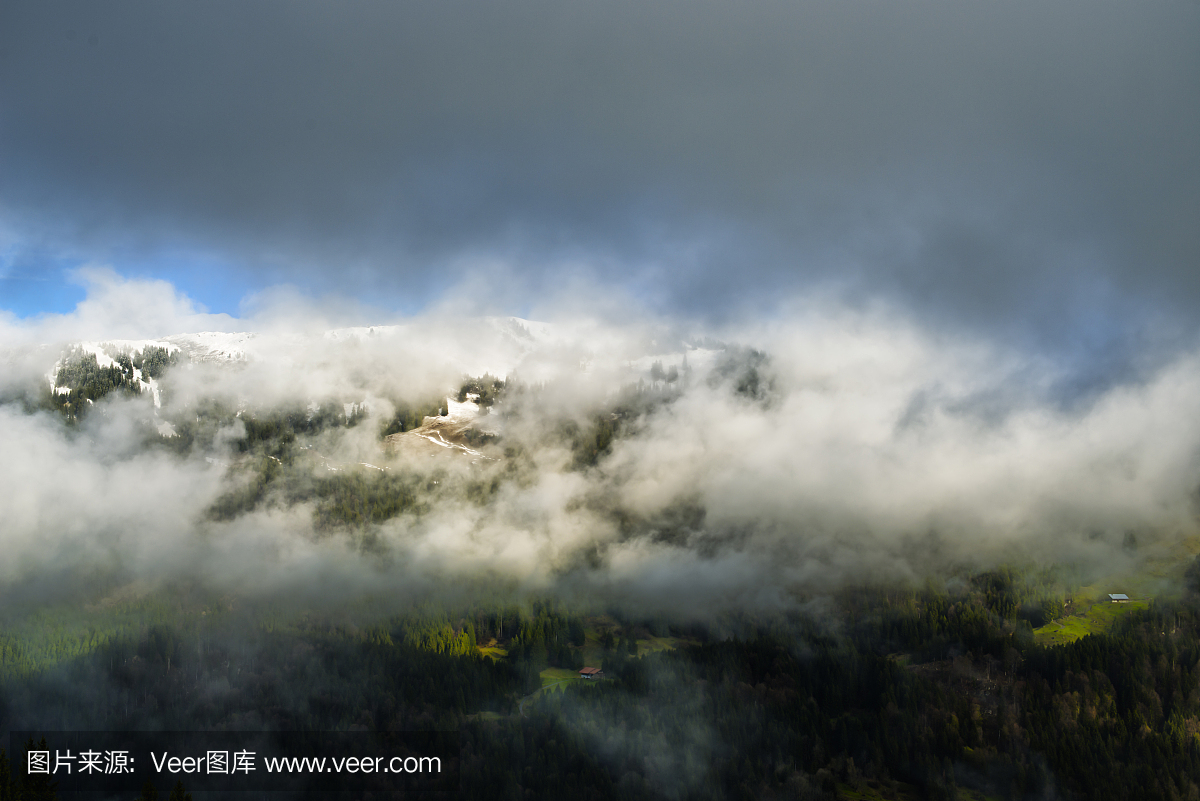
[[494, 345], [367, 370]]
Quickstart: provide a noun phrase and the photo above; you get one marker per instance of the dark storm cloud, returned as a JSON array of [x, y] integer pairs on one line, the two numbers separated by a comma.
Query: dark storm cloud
[[991, 164]]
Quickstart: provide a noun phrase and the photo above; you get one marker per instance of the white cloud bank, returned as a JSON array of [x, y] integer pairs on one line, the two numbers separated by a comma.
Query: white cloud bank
[[879, 450]]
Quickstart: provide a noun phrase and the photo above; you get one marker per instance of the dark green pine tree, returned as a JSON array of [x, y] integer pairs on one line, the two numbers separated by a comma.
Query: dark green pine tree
[[148, 792], [179, 794], [37, 787], [8, 789]]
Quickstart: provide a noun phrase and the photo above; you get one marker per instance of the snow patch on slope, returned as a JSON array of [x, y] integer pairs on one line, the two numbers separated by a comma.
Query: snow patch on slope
[[215, 346]]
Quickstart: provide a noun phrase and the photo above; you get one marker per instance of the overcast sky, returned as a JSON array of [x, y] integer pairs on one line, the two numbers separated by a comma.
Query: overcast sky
[[1028, 171]]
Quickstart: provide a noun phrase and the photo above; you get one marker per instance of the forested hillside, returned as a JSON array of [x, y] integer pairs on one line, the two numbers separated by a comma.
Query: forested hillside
[[942, 696]]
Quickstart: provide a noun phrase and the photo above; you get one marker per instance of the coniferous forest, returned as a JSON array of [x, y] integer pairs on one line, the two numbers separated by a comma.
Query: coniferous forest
[[938, 696]]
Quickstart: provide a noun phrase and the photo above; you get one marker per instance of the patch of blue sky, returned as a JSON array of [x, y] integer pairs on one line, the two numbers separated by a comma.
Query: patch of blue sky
[[213, 283], [34, 284]]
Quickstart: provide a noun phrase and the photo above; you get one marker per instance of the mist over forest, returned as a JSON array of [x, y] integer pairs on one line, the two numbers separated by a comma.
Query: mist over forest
[[630, 400]]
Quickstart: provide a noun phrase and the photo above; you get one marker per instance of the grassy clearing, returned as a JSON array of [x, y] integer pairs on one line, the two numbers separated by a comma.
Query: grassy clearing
[[493, 650], [1156, 572], [486, 715], [975, 795], [551, 675], [593, 651], [873, 791], [656, 644], [1095, 619], [557, 678]]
